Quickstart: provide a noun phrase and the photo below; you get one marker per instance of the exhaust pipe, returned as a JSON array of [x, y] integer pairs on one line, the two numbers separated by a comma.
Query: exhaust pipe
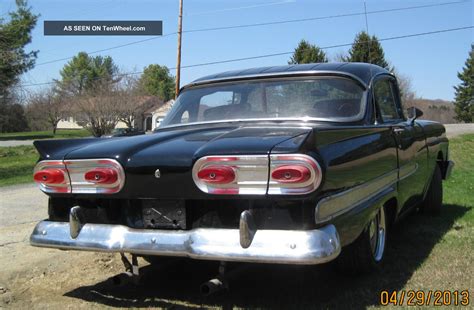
[[213, 286], [221, 281]]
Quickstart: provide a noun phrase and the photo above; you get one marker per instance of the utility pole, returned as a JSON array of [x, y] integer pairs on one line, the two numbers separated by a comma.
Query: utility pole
[[178, 60]]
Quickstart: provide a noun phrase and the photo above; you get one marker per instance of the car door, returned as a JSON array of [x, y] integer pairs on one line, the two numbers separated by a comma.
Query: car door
[[410, 140]]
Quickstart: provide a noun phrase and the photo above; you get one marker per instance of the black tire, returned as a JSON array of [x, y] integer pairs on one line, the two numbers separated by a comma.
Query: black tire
[[360, 256], [434, 197]]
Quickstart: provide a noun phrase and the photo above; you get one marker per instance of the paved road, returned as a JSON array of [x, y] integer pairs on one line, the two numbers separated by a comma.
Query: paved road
[[452, 131], [16, 142]]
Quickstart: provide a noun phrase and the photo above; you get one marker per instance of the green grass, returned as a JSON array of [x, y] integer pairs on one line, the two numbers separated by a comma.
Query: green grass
[[16, 164], [36, 135]]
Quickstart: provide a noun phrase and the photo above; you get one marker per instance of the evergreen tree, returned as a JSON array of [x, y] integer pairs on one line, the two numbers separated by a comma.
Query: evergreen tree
[[86, 74], [157, 81], [464, 95], [363, 46], [14, 36], [307, 53]]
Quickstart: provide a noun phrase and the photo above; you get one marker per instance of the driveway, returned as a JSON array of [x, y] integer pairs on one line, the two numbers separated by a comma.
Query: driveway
[[453, 130], [16, 142]]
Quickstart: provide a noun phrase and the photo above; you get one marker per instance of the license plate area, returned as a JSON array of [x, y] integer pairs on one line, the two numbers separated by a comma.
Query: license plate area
[[164, 214]]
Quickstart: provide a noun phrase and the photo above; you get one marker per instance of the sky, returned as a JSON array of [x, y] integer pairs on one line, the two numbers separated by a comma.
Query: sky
[[431, 61]]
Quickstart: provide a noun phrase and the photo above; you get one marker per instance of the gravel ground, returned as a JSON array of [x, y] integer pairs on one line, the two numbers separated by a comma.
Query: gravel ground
[[31, 277]]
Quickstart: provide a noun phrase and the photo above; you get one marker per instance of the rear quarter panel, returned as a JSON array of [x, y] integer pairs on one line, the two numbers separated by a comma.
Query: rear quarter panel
[[349, 157]]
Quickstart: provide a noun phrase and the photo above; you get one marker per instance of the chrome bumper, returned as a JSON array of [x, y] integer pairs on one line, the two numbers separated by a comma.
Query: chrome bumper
[[268, 246]]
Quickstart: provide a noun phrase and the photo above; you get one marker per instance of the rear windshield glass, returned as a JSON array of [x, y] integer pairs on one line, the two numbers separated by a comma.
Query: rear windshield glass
[[330, 98]]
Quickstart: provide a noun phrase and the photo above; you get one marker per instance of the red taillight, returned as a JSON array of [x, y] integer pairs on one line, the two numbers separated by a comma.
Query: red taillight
[[232, 175], [217, 174], [49, 176], [95, 176], [291, 174], [80, 176], [101, 176]]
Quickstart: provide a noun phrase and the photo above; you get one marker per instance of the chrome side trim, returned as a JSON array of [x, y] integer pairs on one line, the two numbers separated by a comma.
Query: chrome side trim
[[303, 247], [407, 170], [334, 205]]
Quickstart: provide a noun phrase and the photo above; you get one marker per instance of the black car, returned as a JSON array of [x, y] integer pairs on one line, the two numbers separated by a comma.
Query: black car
[[299, 164]]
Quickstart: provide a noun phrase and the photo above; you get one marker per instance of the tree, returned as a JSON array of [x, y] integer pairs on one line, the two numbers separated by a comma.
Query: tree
[[91, 85], [12, 118], [14, 36], [14, 61], [367, 49], [98, 112], [131, 104], [157, 81], [49, 107], [464, 92], [307, 53], [86, 74]]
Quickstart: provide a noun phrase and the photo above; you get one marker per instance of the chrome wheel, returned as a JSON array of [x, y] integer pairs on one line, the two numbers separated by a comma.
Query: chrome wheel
[[377, 231]]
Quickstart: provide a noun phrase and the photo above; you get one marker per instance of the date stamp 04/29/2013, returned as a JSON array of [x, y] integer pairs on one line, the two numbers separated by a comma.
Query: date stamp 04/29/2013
[[424, 298]]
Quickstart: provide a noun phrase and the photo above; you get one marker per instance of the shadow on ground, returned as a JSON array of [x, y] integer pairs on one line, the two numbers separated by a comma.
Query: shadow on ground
[[278, 286]]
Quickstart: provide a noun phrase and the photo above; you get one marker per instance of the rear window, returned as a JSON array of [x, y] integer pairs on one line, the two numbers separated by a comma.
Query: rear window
[[329, 98]]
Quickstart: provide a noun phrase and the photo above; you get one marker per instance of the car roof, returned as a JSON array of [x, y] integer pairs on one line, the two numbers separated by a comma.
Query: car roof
[[363, 72]]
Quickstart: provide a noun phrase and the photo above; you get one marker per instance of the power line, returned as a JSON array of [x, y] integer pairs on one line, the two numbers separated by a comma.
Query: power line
[[263, 24], [324, 17], [327, 47], [108, 48], [242, 8], [280, 54]]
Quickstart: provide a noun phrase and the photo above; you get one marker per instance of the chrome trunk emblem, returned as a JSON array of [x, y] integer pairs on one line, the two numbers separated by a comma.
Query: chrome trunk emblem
[[157, 173]]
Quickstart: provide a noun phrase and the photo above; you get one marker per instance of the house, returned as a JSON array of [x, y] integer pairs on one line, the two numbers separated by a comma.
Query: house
[[153, 116], [154, 110]]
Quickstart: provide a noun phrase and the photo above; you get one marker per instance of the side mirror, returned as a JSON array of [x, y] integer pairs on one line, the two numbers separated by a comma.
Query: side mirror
[[413, 113]]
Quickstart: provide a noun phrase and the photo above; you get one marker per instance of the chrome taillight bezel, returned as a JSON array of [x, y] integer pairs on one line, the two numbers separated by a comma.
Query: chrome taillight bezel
[[251, 174], [74, 172], [77, 169], [301, 188]]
